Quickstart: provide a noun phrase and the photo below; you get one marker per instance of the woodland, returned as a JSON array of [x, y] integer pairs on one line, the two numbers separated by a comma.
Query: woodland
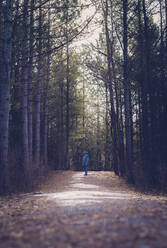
[[63, 92]]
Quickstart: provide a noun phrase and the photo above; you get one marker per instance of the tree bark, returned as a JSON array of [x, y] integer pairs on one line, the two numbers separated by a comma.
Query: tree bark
[[46, 97], [25, 153], [62, 132], [112, 112], [166, 24], [5, 69], [107, 146], [30, 78], [67, 95], [38, 95], [128, 121]]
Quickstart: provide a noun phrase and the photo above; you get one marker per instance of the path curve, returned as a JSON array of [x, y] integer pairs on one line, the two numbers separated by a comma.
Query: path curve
[[73, 210]]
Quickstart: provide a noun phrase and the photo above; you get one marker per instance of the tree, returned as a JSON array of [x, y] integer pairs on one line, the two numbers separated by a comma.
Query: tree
[[24, 79], [127, 100], [30, 79], [110, 85], [37, 140], [5, 69]]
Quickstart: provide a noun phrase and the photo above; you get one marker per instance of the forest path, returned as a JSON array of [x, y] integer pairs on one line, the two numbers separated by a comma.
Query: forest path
[[72, 210]]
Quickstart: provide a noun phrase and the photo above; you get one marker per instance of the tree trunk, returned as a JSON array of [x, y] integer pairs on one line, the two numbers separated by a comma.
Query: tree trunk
[[166, 24], [112, 112], [25, 153], [83, 118], [46, 98], [118, 126], [107, 146], [128, 121], [143, 100], [38, 95], [151, 166], [30, 134], [98, 152], [67, 98], [162, 106], [61, 134], [5, 68]]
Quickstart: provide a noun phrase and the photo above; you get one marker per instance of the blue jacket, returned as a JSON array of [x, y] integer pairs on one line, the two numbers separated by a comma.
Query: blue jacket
[[85, 159]]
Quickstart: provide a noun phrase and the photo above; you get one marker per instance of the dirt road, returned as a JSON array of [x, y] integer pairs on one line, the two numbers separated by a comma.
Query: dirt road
[[72, 210]]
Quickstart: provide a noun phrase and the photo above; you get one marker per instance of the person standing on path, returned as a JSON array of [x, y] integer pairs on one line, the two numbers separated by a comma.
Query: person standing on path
[[85, 161]]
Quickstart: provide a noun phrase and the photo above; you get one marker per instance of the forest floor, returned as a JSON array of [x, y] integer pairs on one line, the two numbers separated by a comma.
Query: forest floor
[[72, 210]]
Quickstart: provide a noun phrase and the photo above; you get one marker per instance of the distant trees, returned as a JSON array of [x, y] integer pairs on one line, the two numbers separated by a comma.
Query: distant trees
[[135, 49], [149, 84], [33, 35], [57, 115], [97, 128], [110, 99]]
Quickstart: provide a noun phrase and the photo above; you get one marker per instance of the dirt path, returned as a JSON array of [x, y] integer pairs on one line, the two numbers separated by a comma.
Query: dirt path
[[71, 210]]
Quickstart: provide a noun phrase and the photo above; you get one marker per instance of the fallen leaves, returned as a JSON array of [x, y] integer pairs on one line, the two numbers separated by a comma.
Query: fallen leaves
[[104, 212]]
